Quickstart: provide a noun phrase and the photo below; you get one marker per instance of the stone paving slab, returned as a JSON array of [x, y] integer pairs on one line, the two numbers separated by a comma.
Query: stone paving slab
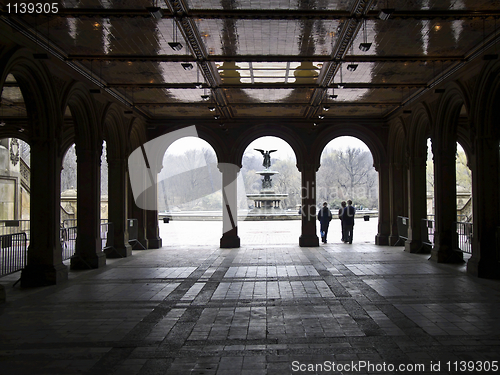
[[259, 309]]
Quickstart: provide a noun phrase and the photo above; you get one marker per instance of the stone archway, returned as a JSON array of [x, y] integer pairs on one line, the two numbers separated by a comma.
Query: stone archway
[[38, 89], [485, 136], [444, 145], [375, 143], [88, 142]]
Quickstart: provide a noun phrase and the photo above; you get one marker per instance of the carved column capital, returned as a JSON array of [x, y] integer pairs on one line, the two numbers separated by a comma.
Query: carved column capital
[[303, 167]]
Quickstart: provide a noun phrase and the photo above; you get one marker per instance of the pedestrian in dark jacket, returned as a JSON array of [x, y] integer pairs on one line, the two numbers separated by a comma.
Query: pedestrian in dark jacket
[[324, 217], [341, 213], [348, 221]]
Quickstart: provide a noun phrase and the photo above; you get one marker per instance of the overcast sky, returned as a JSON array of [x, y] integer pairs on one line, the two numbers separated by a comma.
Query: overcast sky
[[264, 143]]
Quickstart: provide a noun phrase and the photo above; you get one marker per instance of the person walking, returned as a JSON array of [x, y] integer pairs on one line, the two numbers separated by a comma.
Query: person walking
[[348, 221], [341, 212], [324, 217]]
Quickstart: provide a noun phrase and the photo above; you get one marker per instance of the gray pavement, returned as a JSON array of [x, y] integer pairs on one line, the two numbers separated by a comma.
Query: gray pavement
[[279, 232], [259, 309]]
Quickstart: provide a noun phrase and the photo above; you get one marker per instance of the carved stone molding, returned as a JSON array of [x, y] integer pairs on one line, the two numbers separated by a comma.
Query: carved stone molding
[[14, 151]]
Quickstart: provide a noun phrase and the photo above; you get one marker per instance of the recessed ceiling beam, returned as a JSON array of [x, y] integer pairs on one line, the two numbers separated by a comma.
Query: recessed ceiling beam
[[332, 104], [289, 86], [262, 58], [295, 14]]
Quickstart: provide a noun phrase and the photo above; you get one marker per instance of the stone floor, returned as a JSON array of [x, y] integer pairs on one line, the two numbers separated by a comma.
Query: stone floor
[[258, 309]]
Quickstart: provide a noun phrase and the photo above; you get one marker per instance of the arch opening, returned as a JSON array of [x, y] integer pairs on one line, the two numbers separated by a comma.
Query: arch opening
[[347, 173], [104, 181], [15, 154], [273, 186], [189, 193], [429, 173]]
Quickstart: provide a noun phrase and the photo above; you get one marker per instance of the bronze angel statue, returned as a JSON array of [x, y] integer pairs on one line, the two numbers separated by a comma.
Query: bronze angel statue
[[267, 157]]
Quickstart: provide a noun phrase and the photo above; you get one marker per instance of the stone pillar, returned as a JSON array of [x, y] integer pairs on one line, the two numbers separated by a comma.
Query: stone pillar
[[445, 192], [152, 229], [135, 212], [45, 265], [485, 181], [398, 191], [117, 207], [382, 237], [229, 237], [88, 251], [308, 237], [417, 204]]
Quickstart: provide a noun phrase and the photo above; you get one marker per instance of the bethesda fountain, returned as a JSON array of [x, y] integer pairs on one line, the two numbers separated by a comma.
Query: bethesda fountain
[[266, 201]]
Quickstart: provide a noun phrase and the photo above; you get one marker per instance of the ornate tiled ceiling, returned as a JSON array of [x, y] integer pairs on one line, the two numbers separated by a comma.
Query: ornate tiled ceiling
[[250, 59]]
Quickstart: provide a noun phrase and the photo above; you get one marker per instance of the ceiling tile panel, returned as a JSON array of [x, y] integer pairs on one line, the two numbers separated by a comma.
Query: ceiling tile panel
[[428, 37], [356, 111], [268, 95], [379, 95], [107, 4], [154, 95], [440, 4], [274, 111], [268, 37], [407, 72], [272, 4], [139, 72], [114, 35], [178, 111]]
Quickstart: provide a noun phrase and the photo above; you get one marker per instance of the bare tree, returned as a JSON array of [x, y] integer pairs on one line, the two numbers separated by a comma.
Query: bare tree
[[346, 175], [287, 182], [187, 180], [464, 174], [68, 173]]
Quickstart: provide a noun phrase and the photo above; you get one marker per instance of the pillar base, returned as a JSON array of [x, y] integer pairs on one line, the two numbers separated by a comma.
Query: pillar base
[[42, 275], [486, 269], [416, 247], [138, 244], [118, 252], [229, 241], [83, 263], [308, 240], [3, 296], [154, 243], [393, 240], [446, 256], [381, 240]]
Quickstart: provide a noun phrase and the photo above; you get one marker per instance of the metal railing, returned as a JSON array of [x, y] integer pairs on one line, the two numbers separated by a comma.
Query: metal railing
[[68, 242], [427, 232], [69, 234], [107, 234], [463, 239], [13, 253], [402, 224]]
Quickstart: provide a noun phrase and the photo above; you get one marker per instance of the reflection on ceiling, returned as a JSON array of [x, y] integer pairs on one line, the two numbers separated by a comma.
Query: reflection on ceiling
[[257, 59]]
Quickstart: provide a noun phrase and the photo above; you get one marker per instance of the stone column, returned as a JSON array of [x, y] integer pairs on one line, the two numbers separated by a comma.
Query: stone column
[[88, 251], [382, 237], [45, 265], [308, 237], [398, 192], [135, 212], [152, 229], [485, 181], [417, 204], [229, 237], [445, 192], [117, 207]]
